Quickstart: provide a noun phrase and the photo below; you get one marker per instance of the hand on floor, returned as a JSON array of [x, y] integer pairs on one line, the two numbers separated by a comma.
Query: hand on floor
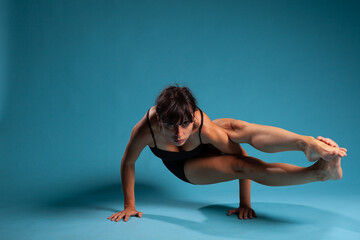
[[243, 212], [126, 213]]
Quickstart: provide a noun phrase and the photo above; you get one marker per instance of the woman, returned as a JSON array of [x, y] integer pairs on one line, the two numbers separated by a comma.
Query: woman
[[200, 151]]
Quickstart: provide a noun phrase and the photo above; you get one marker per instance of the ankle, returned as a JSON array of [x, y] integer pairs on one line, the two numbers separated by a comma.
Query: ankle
[[304, 142], [321, 175], [318, 172]]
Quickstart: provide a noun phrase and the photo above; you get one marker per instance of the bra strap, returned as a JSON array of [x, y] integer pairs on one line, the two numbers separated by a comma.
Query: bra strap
[[201, 125], [148, 121]]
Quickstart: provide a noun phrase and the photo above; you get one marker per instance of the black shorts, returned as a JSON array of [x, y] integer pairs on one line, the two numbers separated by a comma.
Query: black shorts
[[177, 166]]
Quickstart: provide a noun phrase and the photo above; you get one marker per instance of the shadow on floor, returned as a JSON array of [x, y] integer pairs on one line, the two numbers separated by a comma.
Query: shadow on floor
[[274, 219], [111, 194]]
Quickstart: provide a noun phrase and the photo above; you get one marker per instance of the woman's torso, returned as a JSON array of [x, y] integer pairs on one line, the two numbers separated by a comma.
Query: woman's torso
[[164, 144]]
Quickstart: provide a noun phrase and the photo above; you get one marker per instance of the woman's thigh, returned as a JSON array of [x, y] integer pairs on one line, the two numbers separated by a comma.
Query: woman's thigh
[[210, 168], [215, 168]]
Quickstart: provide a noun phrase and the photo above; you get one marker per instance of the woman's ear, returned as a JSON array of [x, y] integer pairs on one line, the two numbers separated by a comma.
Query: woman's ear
[[158, 119]]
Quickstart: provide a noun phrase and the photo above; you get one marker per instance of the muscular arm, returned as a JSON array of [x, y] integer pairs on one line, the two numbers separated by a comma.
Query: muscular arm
[[218, 137], [245, 192], [244, 187], [138, 140], [133, 149]]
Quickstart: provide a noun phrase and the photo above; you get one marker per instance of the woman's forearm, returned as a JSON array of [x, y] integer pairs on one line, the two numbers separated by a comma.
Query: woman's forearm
[[244, 186], [273, 139], [245, 192], [128, 183]]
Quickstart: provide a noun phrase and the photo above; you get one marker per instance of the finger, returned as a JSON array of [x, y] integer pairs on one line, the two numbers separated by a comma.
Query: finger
[[139, 214], [254, 213], [341, 153], [246, 213], [231, 212], [113, 215], [126, 218], [329, 143], [241, 213], [332, 142], [325, 140], [250, 214], [322, 139], [119, 217], [116, 218], [344, 149]]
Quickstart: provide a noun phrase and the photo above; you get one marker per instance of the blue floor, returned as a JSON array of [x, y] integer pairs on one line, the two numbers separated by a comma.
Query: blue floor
[[282, 214]]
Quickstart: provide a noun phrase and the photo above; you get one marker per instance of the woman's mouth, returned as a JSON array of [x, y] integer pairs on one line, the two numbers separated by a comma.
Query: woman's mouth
[[179, 140]]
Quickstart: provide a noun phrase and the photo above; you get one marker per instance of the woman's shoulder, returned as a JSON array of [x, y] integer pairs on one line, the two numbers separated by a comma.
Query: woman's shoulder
[[142, 126], [206, 119], [209, 128]]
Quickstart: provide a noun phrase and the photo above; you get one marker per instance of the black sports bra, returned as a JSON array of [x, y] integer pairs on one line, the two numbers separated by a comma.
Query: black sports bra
[[170, 155]]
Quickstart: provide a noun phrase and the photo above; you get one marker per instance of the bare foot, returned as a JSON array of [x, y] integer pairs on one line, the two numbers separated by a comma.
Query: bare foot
[[317, 149], [328, 170]]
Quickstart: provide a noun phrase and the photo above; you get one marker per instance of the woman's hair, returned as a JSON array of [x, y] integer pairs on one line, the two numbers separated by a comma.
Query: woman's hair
[[174, 104]]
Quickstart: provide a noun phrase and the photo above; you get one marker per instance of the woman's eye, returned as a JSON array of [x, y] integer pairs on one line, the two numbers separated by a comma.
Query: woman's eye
[[170, 125], [186, 123]]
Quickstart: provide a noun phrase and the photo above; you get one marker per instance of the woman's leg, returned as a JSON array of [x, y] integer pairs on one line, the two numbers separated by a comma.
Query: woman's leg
[[273, 139], [209, 169], [215, 168]]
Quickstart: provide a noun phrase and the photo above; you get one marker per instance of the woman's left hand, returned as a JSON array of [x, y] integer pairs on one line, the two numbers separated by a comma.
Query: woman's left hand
[[243, 212]]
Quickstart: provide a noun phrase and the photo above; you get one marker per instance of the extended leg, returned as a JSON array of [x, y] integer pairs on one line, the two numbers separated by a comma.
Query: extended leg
[[221, 168], [273, 139], [282, 174]]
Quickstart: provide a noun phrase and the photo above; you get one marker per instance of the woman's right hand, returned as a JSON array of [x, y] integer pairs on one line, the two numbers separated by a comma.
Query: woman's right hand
[[126, 213]]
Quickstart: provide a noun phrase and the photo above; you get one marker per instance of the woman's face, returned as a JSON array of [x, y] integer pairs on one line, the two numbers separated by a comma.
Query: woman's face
[[178, 134]]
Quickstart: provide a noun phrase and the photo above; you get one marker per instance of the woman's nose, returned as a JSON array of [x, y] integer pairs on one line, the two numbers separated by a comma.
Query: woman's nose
[[178, 130]]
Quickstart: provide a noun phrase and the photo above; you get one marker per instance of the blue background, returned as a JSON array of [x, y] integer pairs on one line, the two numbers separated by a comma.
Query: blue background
[[76, 76]]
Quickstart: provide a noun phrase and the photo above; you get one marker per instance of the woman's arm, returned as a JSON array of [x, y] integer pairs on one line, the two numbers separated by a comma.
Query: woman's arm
[[133, 149], [244, 211], [138, 141], [218, 137]]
